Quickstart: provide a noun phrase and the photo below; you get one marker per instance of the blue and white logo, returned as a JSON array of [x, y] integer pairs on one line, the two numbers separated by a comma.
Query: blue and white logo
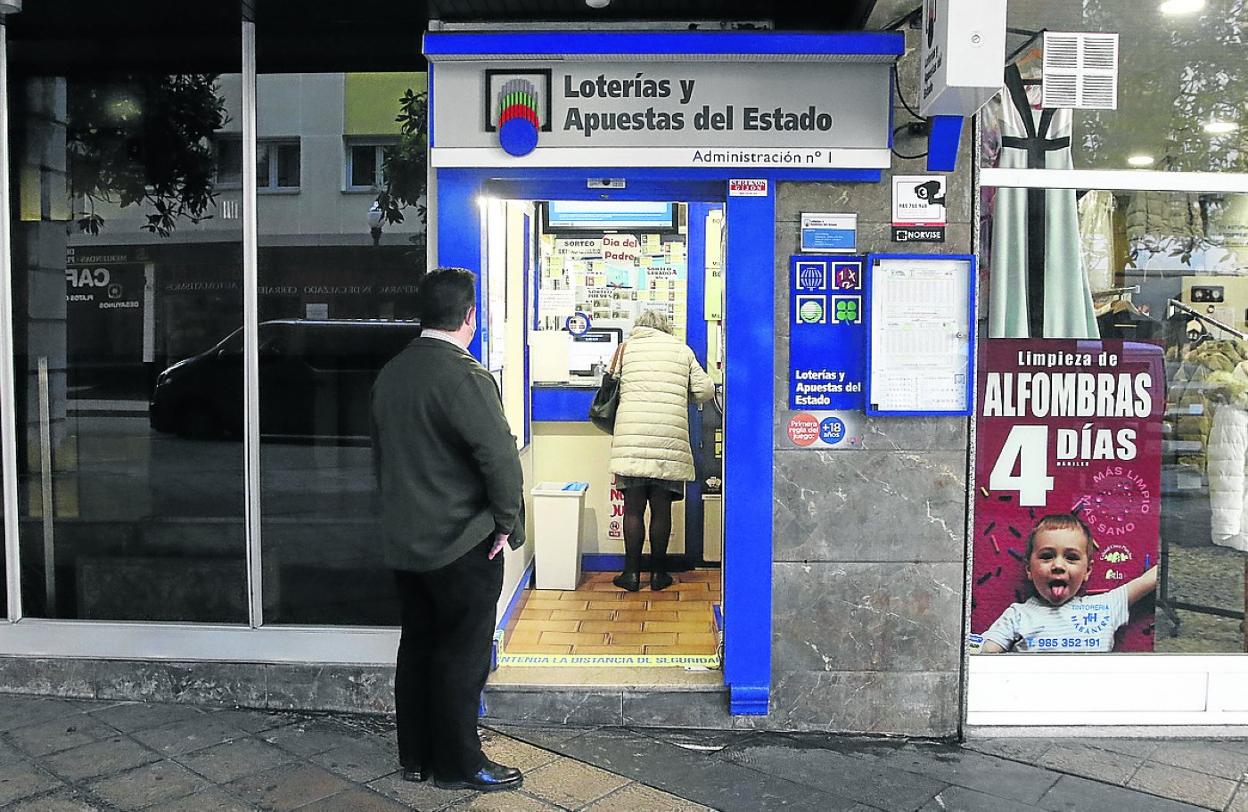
[[812, 275]]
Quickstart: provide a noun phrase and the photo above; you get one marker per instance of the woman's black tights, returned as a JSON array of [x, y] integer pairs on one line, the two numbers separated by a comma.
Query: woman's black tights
[[635, 501]]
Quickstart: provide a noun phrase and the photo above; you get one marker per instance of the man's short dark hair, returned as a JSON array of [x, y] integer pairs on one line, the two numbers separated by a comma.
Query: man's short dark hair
[[445, 296]]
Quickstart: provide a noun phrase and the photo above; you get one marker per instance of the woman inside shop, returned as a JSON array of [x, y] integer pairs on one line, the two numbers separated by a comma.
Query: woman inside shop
[[650, 454]]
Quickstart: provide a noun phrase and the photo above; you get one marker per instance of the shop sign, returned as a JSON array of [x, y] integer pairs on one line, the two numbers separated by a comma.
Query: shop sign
[[747, 187], [1067, 428], [829, 232], [827, 334], [690, 114], [919, 213]]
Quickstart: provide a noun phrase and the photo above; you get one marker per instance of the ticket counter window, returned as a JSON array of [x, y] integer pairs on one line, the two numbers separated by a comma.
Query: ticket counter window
[[591, 269]]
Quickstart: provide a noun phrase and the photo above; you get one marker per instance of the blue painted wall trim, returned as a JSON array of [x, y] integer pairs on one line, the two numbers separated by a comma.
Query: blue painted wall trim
[[561, 404], [602, 562], [536, 44], [459, 232], [749, 319], [524, 583], [692, 183], [942, 143]]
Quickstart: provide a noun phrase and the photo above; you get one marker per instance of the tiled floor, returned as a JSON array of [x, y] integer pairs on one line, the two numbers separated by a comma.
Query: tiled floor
[[601, 618]]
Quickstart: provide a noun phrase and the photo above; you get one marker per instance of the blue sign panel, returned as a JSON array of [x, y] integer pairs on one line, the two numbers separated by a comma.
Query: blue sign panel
[[827, 335], [829, 239]]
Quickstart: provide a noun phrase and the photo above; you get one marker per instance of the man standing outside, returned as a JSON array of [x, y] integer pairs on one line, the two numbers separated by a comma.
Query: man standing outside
[[452, 498]]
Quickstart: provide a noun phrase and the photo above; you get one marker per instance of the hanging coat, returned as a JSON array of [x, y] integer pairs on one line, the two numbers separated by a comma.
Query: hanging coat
[[1039, 287], [1228, 462]]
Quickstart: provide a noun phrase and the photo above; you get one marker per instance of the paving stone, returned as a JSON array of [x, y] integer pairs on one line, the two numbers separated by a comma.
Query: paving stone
[[969, 800], [633, 797], [865, 781], [360, 761], [312, 737], [514, 753], [66, 800], [1183, 785], [354, 800], [60, 734], [1092, 762], [1008, 779], [287, 787], [214, 799], [151, 784], [424, 796], [254, 721], [10, 754], [1203, 757], [1240, 802], [540, 735], [188, 735], [22, 780], [702, 741], [1071, 794], [511, 801], [22, 711], [571, 784], [231, 760], [132, 716], [1128, 746], [1027, 751], [104, 757]]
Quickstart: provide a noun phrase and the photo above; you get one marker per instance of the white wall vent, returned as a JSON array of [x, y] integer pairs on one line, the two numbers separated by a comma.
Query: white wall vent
[[1080, 71]]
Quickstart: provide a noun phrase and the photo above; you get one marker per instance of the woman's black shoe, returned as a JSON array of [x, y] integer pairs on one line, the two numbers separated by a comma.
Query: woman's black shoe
[[628, 580], [490, 778], [660, 580], [415, 774]]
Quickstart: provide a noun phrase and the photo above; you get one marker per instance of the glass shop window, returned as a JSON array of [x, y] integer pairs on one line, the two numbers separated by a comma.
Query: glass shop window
[[1111, 480]]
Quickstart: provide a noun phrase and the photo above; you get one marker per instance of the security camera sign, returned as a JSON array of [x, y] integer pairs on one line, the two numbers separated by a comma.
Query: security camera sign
[[919, 208]]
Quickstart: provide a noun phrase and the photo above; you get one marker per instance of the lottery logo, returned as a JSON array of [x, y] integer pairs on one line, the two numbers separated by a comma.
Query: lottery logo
[[812, 309], [812, 275], [847, 310], [518, 108], [849, 277], [577, 324]]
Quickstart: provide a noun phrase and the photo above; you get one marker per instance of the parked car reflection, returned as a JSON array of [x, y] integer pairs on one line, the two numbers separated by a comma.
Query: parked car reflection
[[315, 379]]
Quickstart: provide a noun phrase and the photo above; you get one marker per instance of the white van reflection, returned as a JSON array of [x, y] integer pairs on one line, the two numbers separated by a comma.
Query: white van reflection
[[315, 379]]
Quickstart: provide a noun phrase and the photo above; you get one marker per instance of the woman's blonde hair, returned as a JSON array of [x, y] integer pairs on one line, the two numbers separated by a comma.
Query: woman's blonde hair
[[655, 319]]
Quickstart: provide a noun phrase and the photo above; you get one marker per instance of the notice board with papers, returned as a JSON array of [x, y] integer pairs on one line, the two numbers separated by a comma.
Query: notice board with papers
[[921, 348]]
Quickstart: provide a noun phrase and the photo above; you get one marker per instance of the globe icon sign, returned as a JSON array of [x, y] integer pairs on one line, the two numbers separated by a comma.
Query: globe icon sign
[[810, 277]]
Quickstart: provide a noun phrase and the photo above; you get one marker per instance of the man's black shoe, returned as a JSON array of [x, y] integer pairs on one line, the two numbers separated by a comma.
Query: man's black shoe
[[490, 778], [415, 775]]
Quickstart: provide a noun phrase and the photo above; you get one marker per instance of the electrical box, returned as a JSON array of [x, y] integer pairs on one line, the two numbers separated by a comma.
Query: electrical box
[[963, 55]]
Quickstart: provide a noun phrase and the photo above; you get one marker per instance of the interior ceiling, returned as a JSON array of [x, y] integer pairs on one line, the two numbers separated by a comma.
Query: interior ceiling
[[847, 15]]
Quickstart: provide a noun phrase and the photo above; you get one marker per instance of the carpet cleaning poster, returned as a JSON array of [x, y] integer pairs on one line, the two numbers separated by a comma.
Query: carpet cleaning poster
[[1067, 426]]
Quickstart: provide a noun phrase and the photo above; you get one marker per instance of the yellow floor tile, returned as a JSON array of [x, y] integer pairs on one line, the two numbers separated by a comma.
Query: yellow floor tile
[[578, 595], [690, 615], [523, 637], [689, 586], [659, 626], [581, 614], [545, 650], [598, 586], [600, 605], [639, 615], [548, 625], [668, 650], [697, 641], [535, 614], [573, 639], [647, 594], [606, 650], [553, 605], [608, 626], [643, 638]]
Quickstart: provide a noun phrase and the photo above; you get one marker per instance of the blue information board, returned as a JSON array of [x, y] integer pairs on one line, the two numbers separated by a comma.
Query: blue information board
[[827, 333]]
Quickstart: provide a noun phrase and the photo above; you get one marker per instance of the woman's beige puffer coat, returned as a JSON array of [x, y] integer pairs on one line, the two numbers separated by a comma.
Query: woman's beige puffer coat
[[659, 375]]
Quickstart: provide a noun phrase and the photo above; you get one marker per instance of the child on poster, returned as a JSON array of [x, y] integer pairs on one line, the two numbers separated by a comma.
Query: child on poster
[[1057, 618]]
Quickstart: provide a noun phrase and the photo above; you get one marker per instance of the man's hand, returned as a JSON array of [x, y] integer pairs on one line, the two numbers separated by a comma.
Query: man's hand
[[500, 541]]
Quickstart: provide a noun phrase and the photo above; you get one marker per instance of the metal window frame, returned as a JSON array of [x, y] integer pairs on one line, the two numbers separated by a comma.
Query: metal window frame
[[252, 641]]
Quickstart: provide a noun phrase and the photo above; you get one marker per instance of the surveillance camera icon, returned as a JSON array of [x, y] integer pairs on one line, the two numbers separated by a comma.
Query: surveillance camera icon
[[930, 192]]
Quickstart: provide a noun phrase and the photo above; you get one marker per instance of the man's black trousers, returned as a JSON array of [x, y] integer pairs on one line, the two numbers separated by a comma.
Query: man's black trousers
[[444, 659]]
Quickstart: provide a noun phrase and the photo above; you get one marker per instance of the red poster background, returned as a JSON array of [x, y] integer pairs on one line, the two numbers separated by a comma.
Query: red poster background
[[1120, 500]]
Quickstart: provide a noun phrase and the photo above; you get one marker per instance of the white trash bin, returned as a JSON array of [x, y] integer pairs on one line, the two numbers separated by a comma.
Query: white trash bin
[[557, 510]]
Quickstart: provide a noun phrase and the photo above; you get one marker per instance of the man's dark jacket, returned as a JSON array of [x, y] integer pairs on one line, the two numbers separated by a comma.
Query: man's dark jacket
[[446, 460]]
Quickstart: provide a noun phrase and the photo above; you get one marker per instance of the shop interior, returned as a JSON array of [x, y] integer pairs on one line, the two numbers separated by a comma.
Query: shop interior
[[563, 282]]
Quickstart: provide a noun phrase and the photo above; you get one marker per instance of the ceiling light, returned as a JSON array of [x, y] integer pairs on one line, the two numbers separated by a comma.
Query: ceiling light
[[1174, 7], [1220, 127], [1140, 160], [605, 3]]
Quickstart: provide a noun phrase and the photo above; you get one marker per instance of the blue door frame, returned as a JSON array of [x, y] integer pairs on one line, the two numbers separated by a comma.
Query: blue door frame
[[749, 372]]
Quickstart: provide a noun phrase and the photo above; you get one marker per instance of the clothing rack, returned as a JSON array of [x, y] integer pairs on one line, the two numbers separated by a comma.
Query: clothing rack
[[1175, 304], [1116, 291], [1163, 588]]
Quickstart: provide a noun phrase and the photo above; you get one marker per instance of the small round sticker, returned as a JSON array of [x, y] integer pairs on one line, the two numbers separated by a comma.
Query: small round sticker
[[832, 430], [803, 429], [577, 324]]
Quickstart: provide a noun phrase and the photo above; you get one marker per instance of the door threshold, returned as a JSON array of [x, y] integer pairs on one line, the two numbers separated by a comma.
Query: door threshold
[[520, 678]]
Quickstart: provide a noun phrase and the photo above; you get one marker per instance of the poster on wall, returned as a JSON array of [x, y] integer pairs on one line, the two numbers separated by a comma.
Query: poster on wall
[[827, 333], [1067, 496]]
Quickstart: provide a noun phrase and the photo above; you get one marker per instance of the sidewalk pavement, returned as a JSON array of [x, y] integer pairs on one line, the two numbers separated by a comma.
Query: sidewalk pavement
[[62, 755]]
